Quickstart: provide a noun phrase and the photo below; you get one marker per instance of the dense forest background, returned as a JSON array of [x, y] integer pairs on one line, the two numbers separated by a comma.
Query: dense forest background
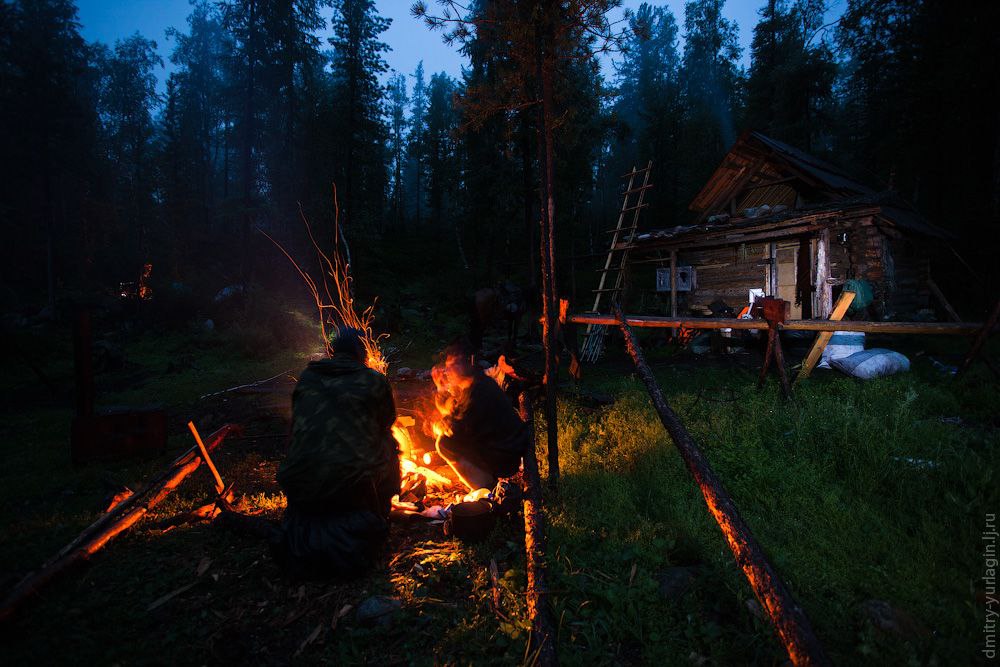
[[102, 173]]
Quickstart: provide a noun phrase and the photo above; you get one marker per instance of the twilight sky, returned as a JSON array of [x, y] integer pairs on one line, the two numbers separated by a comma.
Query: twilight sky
[[411, 41]]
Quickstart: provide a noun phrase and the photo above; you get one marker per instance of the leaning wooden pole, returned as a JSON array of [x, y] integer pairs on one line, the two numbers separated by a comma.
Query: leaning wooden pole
[[980, 340], [543, 634], [787, 617], [109, 526]]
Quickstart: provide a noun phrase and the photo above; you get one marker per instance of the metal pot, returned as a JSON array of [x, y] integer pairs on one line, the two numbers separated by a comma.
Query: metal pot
[[472, 521]]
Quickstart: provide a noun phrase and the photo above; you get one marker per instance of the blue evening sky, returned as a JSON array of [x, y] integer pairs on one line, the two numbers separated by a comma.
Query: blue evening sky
[[411, 41]]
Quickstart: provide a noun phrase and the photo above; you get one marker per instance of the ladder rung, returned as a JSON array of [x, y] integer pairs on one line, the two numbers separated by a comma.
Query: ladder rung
[[607, 289], [637, 171], [638, 189], [621, 229]]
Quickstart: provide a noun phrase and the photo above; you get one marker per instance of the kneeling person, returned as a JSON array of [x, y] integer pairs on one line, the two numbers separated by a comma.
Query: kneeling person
[[342, 467], [487, 438]]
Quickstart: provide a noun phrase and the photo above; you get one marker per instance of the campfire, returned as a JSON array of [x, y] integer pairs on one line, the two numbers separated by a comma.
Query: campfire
[[424, 468]]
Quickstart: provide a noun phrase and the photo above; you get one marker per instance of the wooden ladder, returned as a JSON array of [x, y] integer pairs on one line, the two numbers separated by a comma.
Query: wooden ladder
[[633, 201]]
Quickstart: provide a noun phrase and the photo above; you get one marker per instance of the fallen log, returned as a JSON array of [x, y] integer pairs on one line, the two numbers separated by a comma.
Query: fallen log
[[787, 617], [543, 636], [125, 515]]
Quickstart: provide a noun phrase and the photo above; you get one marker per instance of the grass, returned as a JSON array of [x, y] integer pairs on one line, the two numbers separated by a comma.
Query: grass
[[835, 485], [825, 485]]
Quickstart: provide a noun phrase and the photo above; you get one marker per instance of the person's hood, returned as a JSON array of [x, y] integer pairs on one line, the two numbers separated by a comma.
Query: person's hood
[[338, 364]]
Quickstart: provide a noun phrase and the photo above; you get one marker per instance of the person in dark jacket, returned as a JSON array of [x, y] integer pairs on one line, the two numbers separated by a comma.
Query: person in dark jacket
[[342, 467], [487, 437]]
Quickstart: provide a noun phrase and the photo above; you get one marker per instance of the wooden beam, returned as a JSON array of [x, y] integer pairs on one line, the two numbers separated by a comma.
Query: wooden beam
[[673, 283], [925, 328], [928, 328], [823, 337], [786, 615], [939, 295], [977, 344], [823, 286]]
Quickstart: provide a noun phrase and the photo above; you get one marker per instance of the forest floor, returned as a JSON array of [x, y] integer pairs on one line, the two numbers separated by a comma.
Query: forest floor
[[871, 500]]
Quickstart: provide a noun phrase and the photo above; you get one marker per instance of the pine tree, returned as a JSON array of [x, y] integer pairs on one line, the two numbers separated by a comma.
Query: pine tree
[[415, 147], [536, 39], [359, 104], [710, 92], [397, 142], [790, 86], [48, 145], [126, 99]]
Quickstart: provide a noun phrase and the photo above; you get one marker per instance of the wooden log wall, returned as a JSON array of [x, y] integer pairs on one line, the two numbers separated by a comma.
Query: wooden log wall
[[896, 264]]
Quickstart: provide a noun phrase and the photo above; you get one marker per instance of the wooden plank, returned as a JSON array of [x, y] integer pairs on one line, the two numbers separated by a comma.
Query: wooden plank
[[643, 321], [929, 328], [823, 337]]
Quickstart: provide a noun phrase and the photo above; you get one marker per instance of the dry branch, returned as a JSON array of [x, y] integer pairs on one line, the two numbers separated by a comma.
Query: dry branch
[[786, 615], [543, 634], [121, 518]]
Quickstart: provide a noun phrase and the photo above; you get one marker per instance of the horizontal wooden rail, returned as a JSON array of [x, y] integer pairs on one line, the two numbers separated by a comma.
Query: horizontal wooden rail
[[646, 321]]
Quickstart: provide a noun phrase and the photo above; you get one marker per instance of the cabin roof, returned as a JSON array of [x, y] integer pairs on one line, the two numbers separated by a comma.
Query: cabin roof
[[886, 207], [758, 172], [758, 161]]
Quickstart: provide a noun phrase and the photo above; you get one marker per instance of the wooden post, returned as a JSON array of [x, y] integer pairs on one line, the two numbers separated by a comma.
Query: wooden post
[[787, 617], [804, 288], [775, 311], [772, 251], [939, 295], [823, 286], [83, 364], [673, 283], [543, 636], [980, 340], [823, 337]]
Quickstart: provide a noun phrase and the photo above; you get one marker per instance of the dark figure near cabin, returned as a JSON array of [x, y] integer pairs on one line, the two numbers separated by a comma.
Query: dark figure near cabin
[[487, 437], [342, 467], [506, 301]]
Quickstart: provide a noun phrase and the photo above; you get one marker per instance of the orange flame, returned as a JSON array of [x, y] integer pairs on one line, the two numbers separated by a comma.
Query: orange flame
[[501, 371]]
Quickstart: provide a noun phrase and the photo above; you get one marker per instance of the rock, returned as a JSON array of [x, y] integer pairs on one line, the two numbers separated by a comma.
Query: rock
[[675, 581], [891, 620], [378, 609], [405, 373], [754, 608]]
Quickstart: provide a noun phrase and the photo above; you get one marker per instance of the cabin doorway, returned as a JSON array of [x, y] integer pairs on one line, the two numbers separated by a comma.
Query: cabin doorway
[[785, 272]]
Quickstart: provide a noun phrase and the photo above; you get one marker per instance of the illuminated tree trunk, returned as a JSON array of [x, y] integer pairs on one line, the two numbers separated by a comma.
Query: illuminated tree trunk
[[544, 64]]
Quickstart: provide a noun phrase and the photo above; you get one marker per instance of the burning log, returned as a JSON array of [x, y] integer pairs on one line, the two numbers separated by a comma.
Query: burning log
[[220, 486], [125, 515], [787, 617], [543, 635]]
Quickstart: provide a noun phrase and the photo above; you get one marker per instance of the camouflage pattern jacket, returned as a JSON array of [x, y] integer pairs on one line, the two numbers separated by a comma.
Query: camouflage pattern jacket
[[342, 412]]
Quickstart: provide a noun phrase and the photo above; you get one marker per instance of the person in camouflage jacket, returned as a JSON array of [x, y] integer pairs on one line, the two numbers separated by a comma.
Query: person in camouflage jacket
[[342, 467]]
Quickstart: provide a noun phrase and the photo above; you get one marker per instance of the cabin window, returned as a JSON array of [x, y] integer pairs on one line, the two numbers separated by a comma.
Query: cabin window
[[685, 279]]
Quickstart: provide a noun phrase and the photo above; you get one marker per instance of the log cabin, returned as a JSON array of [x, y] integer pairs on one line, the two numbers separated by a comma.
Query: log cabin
[[776, 219]]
